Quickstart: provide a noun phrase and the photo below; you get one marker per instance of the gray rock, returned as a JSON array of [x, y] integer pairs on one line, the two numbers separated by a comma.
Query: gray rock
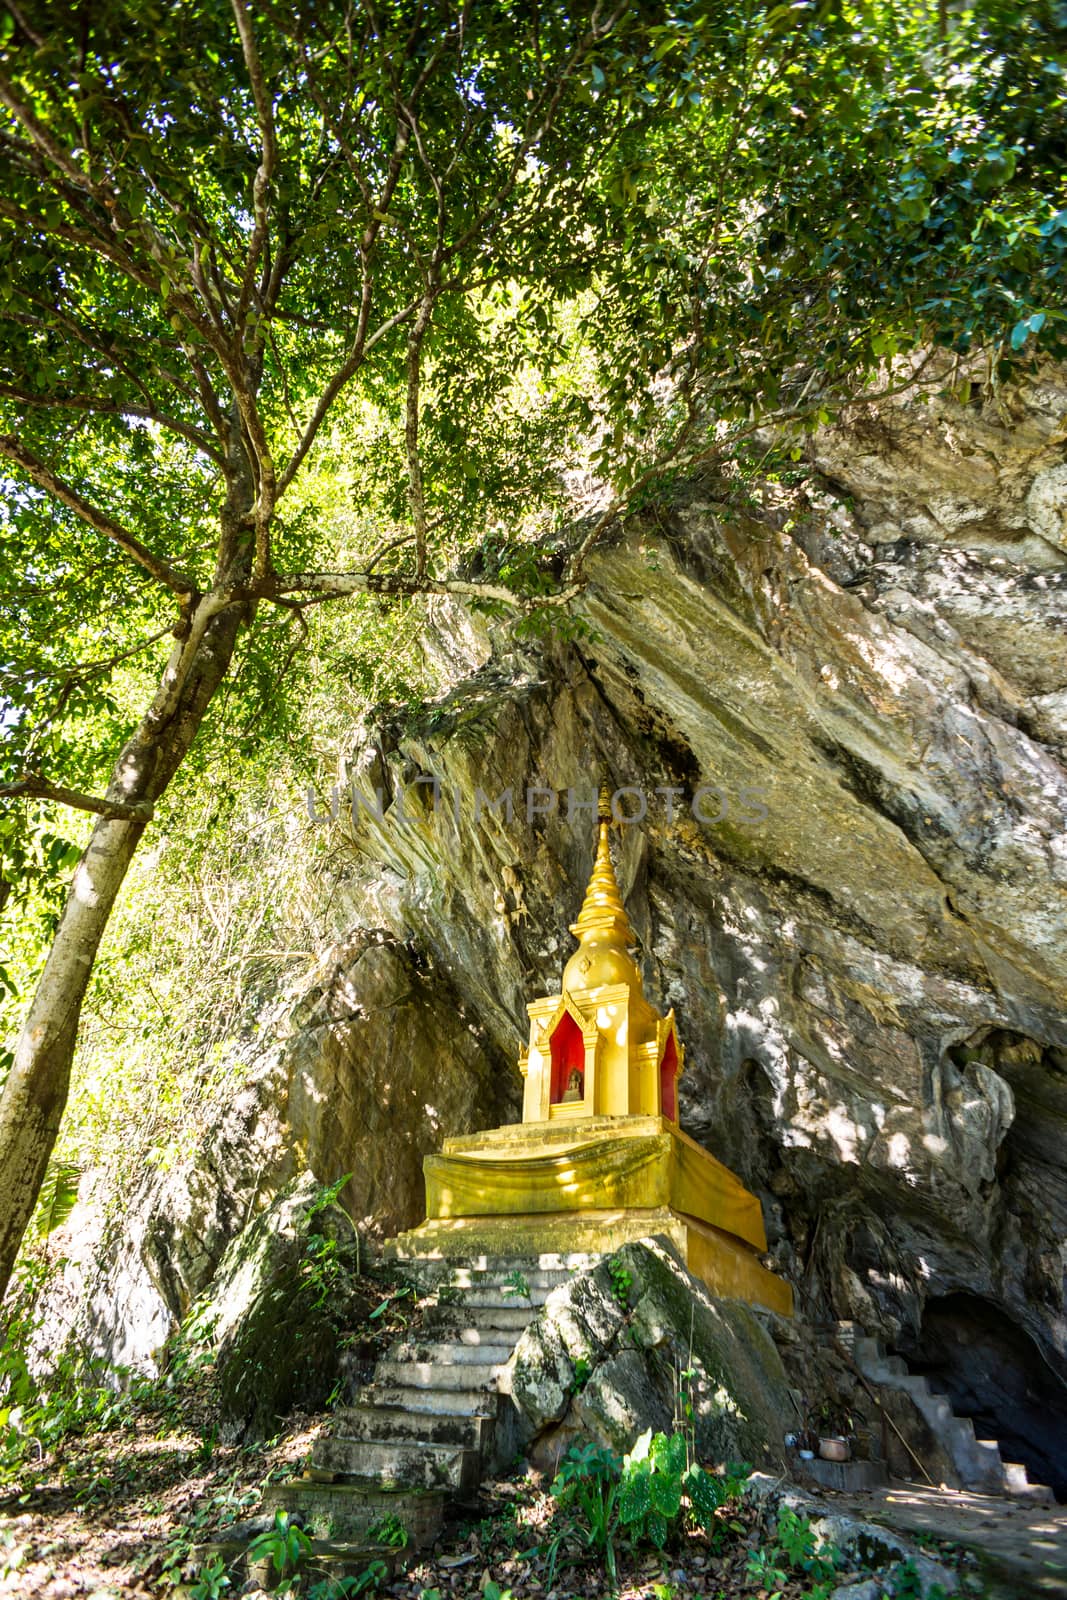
[[869, 980], [588, 1365], [283, 1294]]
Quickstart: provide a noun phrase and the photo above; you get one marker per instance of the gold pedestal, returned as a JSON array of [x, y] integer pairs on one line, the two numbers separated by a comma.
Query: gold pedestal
[[593, 1184]]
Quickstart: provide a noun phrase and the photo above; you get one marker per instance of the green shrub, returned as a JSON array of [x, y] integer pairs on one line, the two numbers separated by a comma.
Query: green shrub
[[795, 1553], [587, 1487]]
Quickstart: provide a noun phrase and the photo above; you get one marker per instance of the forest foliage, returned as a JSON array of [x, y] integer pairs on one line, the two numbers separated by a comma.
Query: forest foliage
[[316, 306]]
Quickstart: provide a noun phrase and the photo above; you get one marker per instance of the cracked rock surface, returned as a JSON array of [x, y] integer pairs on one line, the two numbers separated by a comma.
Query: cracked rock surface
[[864, 930]]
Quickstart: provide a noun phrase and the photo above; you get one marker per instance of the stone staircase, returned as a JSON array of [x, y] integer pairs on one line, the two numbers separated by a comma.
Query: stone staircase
[[977, 1462], [428, 1426]]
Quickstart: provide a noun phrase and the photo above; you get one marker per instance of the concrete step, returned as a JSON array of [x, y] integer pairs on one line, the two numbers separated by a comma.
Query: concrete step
[[398, 1463], [472, 1431], [451, 1353], [500, 1278], [467, 1402], [438, 1376], [1017, 1484], [463, 1319], [496, 1300], [569, 1262], [980, 1466]]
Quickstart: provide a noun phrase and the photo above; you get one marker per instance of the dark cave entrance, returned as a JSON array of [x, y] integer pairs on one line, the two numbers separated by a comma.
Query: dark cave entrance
[[993, 1372]]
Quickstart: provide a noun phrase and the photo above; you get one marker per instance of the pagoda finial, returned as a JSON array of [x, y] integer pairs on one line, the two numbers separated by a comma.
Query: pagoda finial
[[603, 930]]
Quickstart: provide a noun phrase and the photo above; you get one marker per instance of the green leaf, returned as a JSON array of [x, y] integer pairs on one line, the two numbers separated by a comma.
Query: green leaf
[[635, 1493], [666, 1493], [58, 1197]]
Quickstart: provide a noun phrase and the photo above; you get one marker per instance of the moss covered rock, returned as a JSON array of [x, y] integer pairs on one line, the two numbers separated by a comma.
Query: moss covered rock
[[630, 1346], [284, 1294]]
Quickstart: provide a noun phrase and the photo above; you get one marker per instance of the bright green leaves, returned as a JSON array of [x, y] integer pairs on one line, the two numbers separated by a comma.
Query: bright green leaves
[[58, 1197], [650, 1494], [1025, 327]]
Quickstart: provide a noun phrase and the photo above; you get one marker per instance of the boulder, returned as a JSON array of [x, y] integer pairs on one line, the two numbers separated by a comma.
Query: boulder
[[283, 1295], [629, 1346]]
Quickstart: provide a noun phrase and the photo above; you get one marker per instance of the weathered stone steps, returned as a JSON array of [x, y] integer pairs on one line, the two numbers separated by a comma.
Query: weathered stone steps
[[450, 1317], [978, 1462], [429, 1402], [472, 1430], [423, 1430], [440, 1375], [470, 1351], [398, 1463]]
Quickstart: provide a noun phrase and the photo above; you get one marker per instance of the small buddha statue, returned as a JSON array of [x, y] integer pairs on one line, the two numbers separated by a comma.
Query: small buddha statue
[[573, 1090]]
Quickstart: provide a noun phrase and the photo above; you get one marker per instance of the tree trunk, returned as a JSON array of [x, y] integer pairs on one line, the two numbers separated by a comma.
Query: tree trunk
[[35, 1094]]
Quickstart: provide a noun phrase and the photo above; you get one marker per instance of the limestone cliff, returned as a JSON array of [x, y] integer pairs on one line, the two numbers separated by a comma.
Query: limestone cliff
[[867, 951], [871, 977]]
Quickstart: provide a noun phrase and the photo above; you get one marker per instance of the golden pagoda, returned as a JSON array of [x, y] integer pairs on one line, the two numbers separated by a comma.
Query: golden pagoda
[[598, 1158]]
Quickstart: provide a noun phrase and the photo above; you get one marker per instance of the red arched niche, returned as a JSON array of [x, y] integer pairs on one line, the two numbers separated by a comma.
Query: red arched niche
[[668, 1101], [568, 1055]]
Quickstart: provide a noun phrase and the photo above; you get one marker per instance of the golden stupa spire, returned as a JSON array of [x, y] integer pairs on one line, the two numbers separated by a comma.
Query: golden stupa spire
[[603, 930], [603, 915]]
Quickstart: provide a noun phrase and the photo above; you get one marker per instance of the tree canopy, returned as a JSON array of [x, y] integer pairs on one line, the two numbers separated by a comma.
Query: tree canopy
[[305, 302]]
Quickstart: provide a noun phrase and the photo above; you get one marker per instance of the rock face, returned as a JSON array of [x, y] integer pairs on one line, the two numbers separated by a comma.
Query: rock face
[[281, 1298], [860, 684], [605, 1357], [363, 1074], [868, 948]]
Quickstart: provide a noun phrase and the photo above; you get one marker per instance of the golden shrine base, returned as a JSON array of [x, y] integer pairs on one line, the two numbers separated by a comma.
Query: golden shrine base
[[594, 1184]]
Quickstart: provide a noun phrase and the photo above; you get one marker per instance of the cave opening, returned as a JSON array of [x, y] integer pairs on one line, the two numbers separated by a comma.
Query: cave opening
[[993, 1372]]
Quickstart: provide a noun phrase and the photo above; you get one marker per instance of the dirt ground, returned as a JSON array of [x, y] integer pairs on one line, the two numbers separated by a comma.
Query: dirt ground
[[1024, 1546], [116, 1514]]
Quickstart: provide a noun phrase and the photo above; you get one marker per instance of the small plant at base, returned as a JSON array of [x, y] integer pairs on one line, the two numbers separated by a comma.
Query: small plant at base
[[622, 1281], [708, 1492], [764, 1570], [370, 1579], [650, 1497], [390, 1530], [797, 1550], [905, 1583], [516, 1283], [588, 1483], [211, 1581], [285, 1546]]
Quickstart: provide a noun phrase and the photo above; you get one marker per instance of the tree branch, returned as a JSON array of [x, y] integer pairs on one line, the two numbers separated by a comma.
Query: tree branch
[[360, 349], [46, 479], [342, 585], [117, 408], [268, 158], [37, 789]]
